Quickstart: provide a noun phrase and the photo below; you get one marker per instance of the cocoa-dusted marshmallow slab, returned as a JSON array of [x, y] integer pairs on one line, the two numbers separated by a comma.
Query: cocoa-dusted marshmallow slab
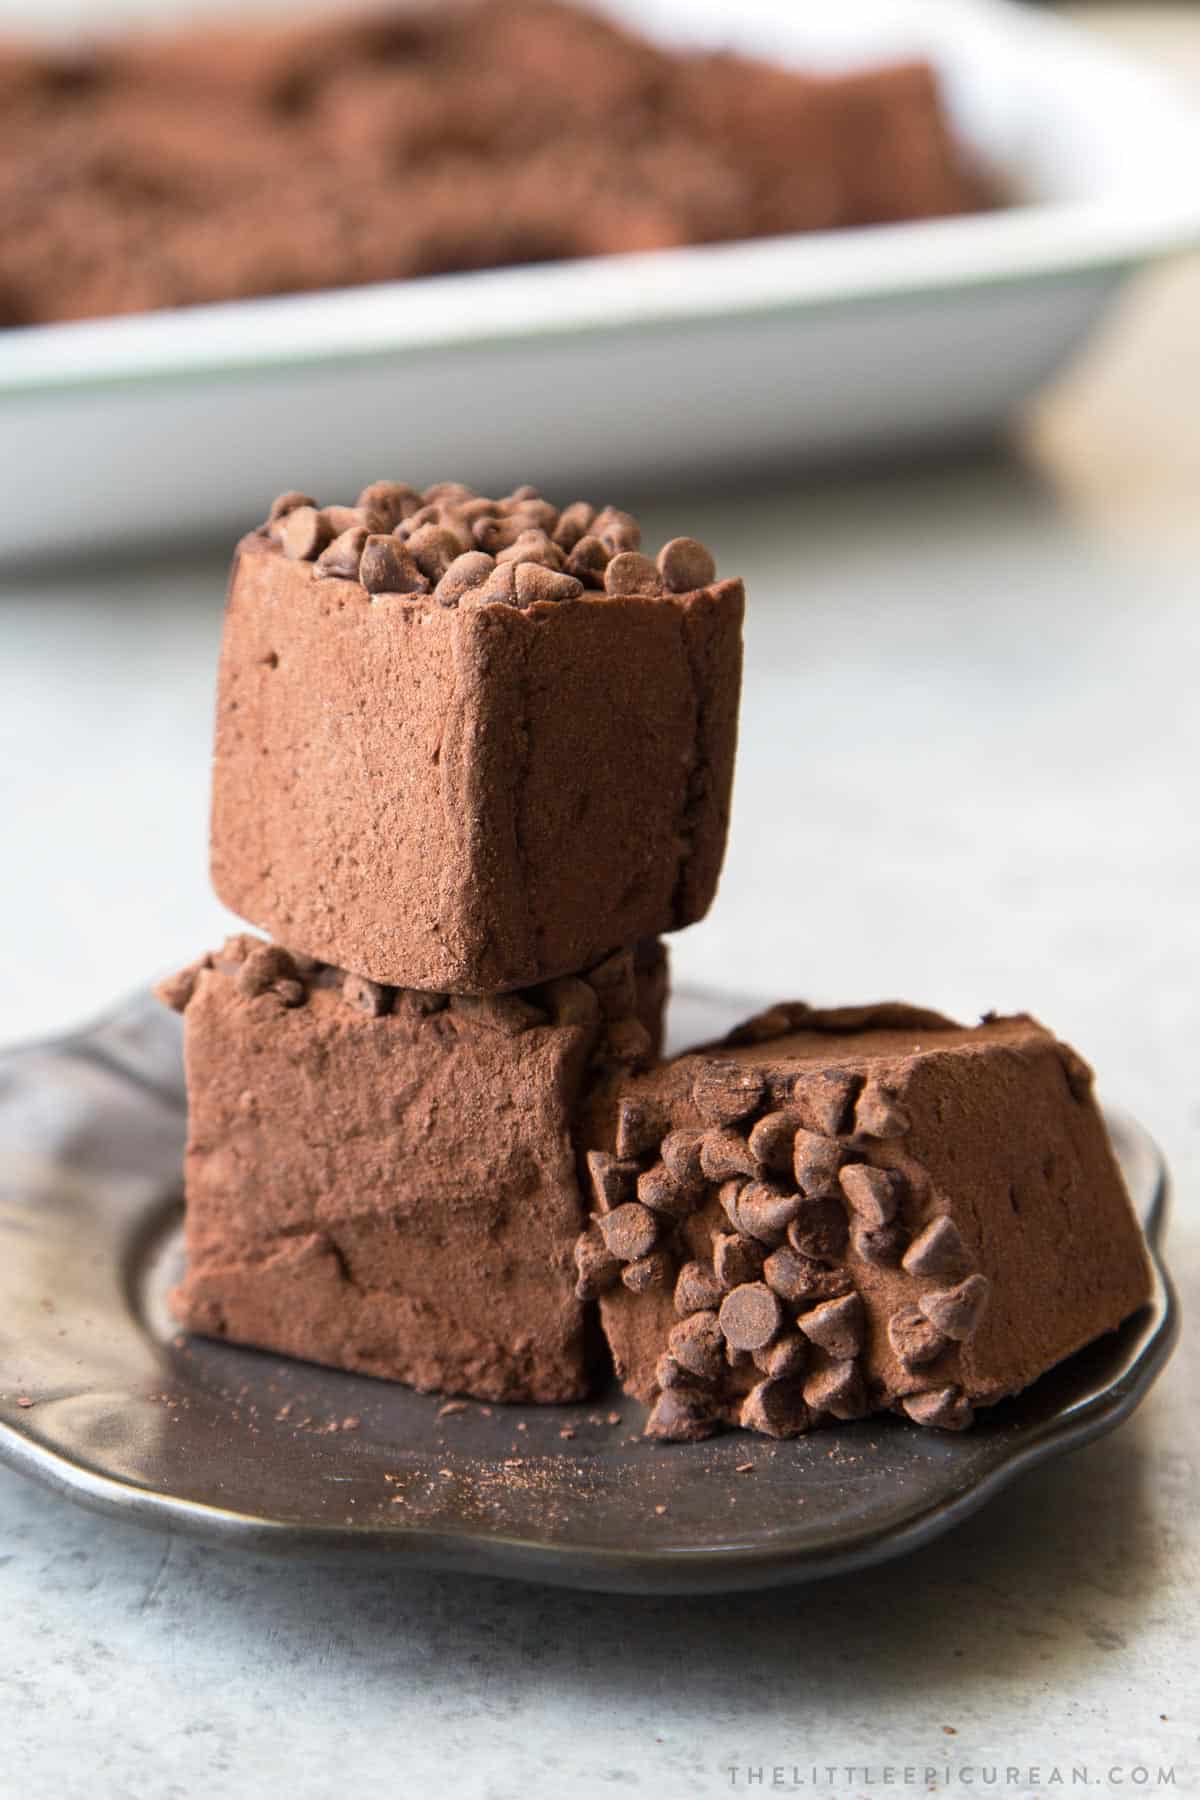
[[386, 1181], [471, 770], [838, 1212]]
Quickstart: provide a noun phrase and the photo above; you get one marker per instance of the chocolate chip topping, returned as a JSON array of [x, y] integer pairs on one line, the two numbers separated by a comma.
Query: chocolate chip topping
[[784, 1360], [750, 1316], [387, 568], [697, 1289], [838, 1326], [640, 1128], [958, 1311], [612, 1180], [761, 1210], [874, 1194], [681, 1153], [948, 1409], [304, 533], [816, 1160], [697, 1345], [937, 1250], [882, 1245], [681, 1415], [736, 1259], [823, 1100], [776, 1408], [685, 565], [595, 1266], [659, 1189], [915, 1339], [795, 1277], [469, 550], [263, 966], [819, 1229], [340, 559], [837, 1388], [724, 1154], [771, 1140], [629, 1231], [648, 1272]]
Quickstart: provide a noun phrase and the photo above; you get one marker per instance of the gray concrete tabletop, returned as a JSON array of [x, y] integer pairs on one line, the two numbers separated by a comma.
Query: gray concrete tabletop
[[968, 777]]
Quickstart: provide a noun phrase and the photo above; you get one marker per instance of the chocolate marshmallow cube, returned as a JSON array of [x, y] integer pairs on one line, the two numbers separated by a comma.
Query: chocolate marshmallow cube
[[385, 1180], [836, 1212], [467, 745]]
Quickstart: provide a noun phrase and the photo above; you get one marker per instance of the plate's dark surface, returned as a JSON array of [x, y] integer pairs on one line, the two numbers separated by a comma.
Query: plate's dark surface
[[99, 1398]]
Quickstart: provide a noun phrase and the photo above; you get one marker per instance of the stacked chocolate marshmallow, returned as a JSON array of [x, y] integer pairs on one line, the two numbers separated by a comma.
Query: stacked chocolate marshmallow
[[473, 757]]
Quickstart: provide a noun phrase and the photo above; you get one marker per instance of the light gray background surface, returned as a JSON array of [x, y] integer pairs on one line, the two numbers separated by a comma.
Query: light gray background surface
[[968, 777]]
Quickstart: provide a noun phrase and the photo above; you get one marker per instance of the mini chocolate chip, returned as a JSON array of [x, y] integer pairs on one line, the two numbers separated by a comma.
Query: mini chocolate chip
[[648, 1273], [697, 1345], [775, 1408], [681, 1153], [341, 557], [588, 561], [668, 1373], [881, 1245], [532, 546], [433, 549], [617, 530], [392, 501], [500, 588], [874, 1194], [820, 1228], [291, 993], [304, 533], [630, 572], [680, 1415], [696, 1290], [626, 1042], [615, 982], [685, 565], [725, 1092], [659, 1190], [535, 515], [947, 1409], [838, 1326], [534, 583], [723, 1154], [837, 1388], [763, 1211], [595, 1266], [958, 1311], [367, 996], [771, 1140], [386, 568], [816, 1160], [441, 491], [493, 534], [573, 524], [283, 504], [879, 1113], [262, 968], [641, 1127], [914, 1338], [785, 1359], [612, 1180], [937, 1250], [750, 1316], [629, 1231], [823, 1100], [791, 1275], [736, 1259]]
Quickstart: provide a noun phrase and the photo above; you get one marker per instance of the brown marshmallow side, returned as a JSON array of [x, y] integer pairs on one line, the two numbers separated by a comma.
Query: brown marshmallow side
[[470, 797], [837, 1212], [385, 1181]]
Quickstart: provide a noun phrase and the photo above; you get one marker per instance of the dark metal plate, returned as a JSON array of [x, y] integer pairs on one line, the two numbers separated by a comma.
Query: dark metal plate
[[100, 1399]]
